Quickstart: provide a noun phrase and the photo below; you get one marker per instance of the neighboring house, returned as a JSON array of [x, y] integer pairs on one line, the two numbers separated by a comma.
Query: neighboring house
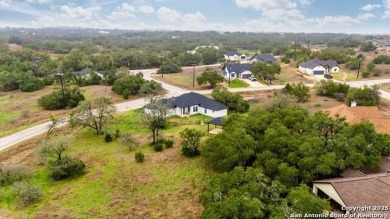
[[201, 47], [234, 56], [366, 190], [267, 58], [83, 73], [234, 71], [192, 103], [101, 73], [319, 67], [357, 114]]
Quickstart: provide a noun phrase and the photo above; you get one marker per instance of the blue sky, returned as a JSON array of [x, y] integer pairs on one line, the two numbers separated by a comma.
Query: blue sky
[[350, 16]]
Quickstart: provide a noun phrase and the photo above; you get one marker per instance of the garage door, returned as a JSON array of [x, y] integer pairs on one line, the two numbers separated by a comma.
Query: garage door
[[319, 72], [245, 76]]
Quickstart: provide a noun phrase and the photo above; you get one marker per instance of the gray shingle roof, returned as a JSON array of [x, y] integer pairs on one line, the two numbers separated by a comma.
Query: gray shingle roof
[[216, 121], [315, 62], [232, 53], [239, 68], [193, 99], [265, 57], [82, 72]]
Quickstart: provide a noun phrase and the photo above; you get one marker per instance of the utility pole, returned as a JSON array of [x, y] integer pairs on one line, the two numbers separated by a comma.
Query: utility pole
[[62, 84], [295, 48], [360, 60], [193, 75], [162, 73]]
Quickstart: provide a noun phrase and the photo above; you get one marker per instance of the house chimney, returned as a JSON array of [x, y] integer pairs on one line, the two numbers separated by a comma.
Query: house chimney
[[353, 103]]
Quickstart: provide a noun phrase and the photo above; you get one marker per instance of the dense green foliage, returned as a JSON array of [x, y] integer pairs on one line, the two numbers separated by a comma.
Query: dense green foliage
[[190, 141], [366, 96], [58, 100], [294, 147], [266, 72], [211, 77], [26, 193], [382, 59], [368, 47], [233, 101], [298, 90], [139, 156], [135, 84], [66, 167], [12, 173], [250, 194], [330, 88], [169, 67]]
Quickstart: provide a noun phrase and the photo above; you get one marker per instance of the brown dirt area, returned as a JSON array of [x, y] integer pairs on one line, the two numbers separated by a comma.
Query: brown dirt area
[[290, 74], [14, 47]]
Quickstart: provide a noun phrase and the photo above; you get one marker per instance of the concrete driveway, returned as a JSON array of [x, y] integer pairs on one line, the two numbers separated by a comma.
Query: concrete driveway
[[254, 83]]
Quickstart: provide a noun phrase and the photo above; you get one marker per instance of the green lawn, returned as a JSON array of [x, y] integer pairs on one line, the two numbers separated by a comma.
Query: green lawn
[[165, 185], [238, 83], [344, 76]]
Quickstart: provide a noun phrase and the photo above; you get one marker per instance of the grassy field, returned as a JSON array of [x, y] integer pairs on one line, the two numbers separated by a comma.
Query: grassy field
[[185, 78], [289, 74], [238, 83], [344, 76], [166, 185], [19, 110]]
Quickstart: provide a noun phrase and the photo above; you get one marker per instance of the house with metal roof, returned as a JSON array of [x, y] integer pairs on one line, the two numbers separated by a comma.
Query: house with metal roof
[[234, 71], [267, 58], [234, 56], [83, 73], [190, 104], [319, 67]]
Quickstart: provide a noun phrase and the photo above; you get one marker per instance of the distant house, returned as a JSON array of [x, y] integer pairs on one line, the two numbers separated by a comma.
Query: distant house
[[234, 71], [202, 47], [101, 73], [234, 56], [83, 73], [319, 67], [357, 114], [190, 104], [267, 58]]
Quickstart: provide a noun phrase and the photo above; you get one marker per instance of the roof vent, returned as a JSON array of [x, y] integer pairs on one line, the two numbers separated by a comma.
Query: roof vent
[[353, 103]]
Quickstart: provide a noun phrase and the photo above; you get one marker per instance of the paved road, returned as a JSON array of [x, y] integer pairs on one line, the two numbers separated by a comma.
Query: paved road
[[172, 91]]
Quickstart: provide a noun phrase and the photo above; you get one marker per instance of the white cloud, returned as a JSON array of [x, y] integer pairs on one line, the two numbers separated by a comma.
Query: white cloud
[[79, 12], [386, 5], [264, 5], [370, 7], [167, 15], [146, 9], [337, 21], [124, 11], [305, 2], [365, 16], [38, 1], [196, 17], [5, 3]]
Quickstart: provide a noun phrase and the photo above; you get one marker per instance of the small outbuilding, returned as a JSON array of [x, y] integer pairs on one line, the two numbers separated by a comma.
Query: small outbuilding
[[218, 123]]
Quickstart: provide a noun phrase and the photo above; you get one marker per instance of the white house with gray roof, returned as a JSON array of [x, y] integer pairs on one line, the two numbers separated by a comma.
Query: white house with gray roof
[[319, 67], [234, 56], [234, 71], [267, 58], [191, 104]]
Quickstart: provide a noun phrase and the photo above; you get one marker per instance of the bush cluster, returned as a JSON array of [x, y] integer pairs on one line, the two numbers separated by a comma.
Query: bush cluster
[[26, 193], [65, 168], [382, 59], [234, 101], [330, 88], [12, 173], [139, 156], [57, 100], [31, 84], [135, 84]]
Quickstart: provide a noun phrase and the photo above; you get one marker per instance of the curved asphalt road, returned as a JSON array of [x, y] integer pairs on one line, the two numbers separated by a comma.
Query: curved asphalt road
[[172, 92]]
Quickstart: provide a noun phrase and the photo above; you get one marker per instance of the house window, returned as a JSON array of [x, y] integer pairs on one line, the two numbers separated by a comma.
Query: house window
[[195, 109], [335, 69], [205, 110]]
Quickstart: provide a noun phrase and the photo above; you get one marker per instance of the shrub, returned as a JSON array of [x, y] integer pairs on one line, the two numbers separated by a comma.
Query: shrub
[[330, 88], [366, 96], [65, 168], [158, 146], [139, 156], [13, 173], [190, 142], [31, 84], [127, 140], [169, 143], [234, 101], [108, 137], [117, 133], [26, 193], [56, 100], [366, 74]]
